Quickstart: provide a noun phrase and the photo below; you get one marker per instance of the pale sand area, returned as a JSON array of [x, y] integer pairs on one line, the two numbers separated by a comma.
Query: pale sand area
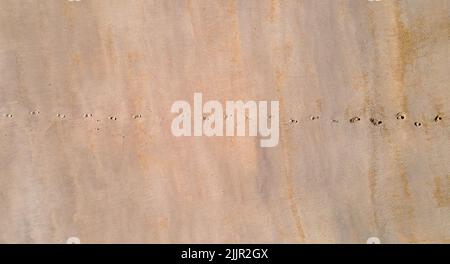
[[130, 180]]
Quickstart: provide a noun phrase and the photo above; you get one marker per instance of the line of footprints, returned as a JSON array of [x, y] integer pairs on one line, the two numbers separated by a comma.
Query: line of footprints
[[374, 121], [63, 116]]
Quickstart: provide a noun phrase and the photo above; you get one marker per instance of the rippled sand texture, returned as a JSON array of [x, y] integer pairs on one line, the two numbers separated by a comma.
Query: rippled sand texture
[[86, 149]]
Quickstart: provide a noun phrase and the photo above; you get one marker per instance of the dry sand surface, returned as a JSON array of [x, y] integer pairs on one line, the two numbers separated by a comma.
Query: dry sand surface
[[86, 148]]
